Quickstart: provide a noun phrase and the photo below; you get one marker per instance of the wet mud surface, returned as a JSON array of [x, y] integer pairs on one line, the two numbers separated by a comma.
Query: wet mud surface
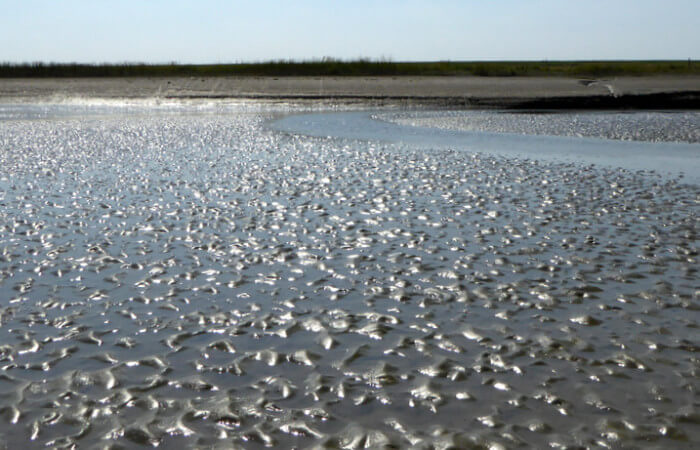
[[202, 280]]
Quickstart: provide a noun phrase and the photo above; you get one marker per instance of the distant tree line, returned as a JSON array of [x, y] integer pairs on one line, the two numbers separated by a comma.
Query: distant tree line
[[359, 67]]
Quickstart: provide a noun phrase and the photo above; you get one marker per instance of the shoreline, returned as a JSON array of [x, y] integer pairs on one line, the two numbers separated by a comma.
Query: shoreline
[[687, 100], [463, 92]]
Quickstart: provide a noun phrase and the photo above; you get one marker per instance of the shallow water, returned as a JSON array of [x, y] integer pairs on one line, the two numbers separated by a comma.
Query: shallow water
[[201, 276], [476, 131], [652, 126]]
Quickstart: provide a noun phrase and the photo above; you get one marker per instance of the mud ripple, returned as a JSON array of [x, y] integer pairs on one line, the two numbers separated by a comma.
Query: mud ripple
[[199, 280]]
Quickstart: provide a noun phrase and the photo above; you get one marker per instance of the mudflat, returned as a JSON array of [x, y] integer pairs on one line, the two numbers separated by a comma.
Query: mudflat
[[651, 91], [193, 274]]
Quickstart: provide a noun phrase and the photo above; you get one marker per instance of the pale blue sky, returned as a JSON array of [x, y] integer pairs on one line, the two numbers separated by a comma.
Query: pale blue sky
[[211, 31]]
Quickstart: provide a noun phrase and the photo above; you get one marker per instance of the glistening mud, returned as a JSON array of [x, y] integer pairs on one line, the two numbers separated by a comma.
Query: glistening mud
[[193, 276]]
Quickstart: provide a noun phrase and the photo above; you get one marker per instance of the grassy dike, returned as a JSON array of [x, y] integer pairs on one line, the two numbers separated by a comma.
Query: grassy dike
[[362, 67]]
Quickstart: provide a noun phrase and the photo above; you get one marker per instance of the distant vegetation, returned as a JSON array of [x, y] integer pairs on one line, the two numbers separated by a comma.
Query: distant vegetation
[[361, 67]]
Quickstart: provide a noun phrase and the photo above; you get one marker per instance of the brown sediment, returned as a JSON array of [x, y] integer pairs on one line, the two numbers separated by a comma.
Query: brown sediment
[[652, 92]]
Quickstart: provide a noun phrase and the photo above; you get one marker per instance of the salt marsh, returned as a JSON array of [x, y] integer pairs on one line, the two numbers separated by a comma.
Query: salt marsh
[[254, 275]]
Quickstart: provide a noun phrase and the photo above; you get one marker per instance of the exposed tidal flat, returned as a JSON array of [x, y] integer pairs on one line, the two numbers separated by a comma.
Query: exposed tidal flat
[[661, 91], [210, 275]]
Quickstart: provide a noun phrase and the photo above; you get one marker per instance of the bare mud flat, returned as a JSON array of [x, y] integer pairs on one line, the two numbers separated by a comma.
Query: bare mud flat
[[187, 276], [496, 92]]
